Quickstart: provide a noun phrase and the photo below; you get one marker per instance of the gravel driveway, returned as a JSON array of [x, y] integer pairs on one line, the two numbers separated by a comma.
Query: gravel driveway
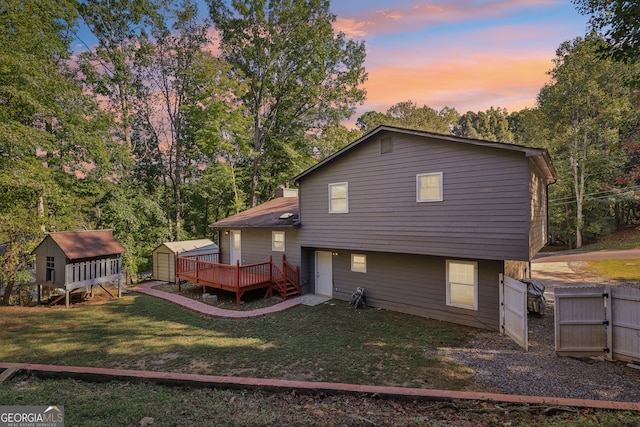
[[502, 366]]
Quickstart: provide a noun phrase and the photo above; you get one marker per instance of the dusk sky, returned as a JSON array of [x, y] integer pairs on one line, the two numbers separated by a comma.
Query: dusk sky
[[466, 54]]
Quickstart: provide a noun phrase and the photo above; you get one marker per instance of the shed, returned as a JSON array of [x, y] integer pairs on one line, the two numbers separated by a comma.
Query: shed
[[72, 260], [164, 256]]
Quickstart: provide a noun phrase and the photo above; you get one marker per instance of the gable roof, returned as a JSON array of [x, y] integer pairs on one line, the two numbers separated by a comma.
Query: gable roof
[[188, 245], [540, 156], [279, 212], [86, 244]]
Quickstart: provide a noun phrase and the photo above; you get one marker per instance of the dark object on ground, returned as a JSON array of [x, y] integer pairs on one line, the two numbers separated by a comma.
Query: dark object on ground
[[535, 296], [357, 298]]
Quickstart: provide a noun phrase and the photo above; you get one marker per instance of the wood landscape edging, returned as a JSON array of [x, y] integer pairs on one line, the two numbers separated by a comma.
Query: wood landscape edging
[[270, 384]]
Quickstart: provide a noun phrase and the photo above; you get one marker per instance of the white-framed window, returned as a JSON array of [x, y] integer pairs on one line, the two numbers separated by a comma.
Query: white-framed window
[[339, 197], [359, 263], [277, 241], [429, 187], [462, 284]]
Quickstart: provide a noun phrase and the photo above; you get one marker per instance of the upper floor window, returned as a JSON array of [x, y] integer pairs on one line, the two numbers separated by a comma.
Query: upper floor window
[[462, 284], [339, 198], [277, 241], [429, 187]]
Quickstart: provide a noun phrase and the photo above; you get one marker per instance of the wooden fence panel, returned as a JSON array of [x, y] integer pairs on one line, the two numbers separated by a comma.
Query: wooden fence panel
[[581, 321], [598, 321], [625, 318]]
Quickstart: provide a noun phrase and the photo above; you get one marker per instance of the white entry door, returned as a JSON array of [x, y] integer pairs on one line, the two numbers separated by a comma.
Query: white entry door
[[324, 273], [235, 247], [513, 310]]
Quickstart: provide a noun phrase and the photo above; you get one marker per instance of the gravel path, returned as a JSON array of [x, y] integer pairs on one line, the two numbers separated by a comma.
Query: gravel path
[[502, 366]]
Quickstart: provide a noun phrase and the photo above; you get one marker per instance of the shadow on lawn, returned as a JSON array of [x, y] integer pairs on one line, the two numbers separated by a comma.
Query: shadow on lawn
[[329, 342]]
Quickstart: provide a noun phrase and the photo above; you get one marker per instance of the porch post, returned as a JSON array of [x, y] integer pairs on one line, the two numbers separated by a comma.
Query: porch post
[[66, 298]]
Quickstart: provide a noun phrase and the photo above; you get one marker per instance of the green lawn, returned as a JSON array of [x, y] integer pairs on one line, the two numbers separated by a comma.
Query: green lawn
[[625, 270], [329, 342]]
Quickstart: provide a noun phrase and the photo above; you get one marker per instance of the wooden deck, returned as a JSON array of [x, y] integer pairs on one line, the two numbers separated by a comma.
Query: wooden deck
[[241, 278]]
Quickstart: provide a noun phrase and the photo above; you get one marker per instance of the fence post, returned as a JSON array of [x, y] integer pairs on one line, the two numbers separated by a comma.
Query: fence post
[[608, 315]]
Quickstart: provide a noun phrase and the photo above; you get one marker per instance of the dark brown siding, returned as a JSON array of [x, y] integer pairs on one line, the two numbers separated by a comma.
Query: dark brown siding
[[484, 214], [416, 284]]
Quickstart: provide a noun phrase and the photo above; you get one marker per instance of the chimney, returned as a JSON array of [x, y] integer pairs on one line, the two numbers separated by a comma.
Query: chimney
[[286, 192]]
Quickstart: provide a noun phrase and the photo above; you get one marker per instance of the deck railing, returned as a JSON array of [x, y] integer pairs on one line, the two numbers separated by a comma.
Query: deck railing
[[237, 278], [91, 273], [291, 273]]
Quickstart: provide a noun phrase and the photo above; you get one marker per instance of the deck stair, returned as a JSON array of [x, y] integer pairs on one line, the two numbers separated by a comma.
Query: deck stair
[[241, 278]]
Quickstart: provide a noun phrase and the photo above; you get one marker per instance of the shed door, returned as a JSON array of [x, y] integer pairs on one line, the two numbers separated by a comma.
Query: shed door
[[324, 273], [235, 247], [163, 267], [513, 310]]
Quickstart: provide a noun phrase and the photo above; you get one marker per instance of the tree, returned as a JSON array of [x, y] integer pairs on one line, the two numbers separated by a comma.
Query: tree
[[490, 125], [119, 27], [49, 130], [619, 23], [407, 114], [583, 108], [301, 76], [170, 86]]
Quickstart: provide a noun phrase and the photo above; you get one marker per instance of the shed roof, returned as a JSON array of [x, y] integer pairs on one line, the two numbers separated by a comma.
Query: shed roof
[[186, 245], [279, 212], [204, 250], [86, 244], [539, 155]]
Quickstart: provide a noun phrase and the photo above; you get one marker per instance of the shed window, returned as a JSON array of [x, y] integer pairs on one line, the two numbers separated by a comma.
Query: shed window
[[339, 198], [462, 284], [277, 241], [429, 187], [359, 263], [50, 270]]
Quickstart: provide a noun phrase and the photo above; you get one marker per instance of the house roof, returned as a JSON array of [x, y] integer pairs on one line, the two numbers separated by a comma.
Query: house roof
[[539, 155], [279, 212], [187, 245], [86, 244]]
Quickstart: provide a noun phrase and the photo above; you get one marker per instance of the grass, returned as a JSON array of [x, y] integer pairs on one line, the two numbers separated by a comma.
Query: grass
[[625, 238], [624, 270], [329, 342], [138, 404]]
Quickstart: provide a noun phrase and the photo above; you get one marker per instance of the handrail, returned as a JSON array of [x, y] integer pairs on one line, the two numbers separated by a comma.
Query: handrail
[[238, 276]]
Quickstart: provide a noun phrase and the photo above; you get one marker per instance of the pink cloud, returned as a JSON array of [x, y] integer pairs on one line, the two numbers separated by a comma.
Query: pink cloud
[[419, 15]]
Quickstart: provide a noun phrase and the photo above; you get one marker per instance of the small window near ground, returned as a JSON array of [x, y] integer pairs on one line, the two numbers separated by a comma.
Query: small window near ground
[[462, 284], [339, 198], [277, 241], [359, 263], [429, 187]]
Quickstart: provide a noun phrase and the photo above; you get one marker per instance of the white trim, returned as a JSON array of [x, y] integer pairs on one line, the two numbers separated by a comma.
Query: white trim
[[475, 285], [274, 241], [346, 187], [420, 175], [359, 267]]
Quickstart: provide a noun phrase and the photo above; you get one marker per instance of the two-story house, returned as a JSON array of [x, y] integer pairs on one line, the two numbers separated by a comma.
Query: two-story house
[[424, 222]]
